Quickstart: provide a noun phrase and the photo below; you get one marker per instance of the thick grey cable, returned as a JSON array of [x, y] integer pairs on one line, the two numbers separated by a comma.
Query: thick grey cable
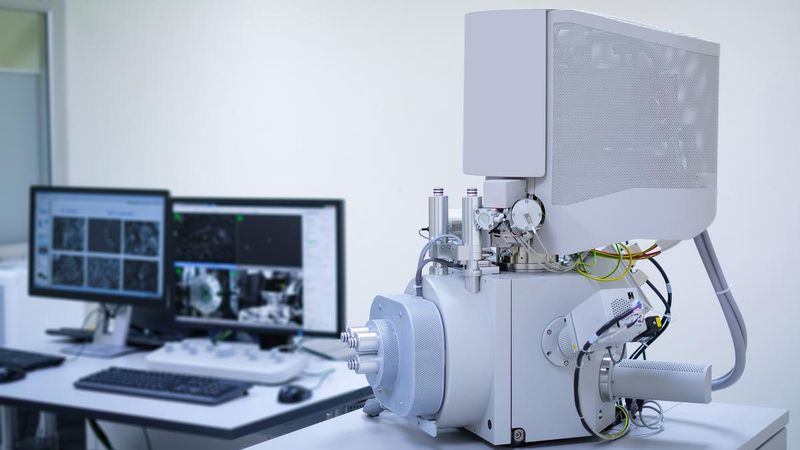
[[418, 274], [730, 310], [421, 262], [722, 287]]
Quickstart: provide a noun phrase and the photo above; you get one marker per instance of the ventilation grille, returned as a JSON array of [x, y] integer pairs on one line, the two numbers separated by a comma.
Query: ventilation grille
[[620, 306], [565, 343], [629, 114], [661, 365]]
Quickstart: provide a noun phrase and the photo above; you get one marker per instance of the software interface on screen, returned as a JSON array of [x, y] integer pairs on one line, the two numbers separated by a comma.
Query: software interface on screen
[[99, 243], [272, 267]]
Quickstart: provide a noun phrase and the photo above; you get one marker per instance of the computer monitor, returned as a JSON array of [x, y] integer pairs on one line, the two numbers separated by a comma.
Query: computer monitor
[[273, 267], [101, 245]]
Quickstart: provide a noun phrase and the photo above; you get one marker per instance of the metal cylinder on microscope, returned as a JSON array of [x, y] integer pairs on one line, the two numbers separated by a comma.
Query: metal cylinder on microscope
[[363, 364], [367, 342], [438, 224], [471, 236], [347, 336]]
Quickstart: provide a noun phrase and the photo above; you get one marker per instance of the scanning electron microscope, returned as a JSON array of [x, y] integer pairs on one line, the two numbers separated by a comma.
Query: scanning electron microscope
[[528, 319]]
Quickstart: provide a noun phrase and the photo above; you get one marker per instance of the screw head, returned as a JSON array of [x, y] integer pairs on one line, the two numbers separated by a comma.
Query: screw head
[[549, 331], [566, 363], [518, 434]]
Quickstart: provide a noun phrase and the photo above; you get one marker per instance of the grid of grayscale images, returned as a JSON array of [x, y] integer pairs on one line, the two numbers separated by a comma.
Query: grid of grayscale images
[[106, 254]]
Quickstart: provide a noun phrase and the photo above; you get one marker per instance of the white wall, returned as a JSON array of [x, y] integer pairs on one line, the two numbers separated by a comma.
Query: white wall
[[363, 100]]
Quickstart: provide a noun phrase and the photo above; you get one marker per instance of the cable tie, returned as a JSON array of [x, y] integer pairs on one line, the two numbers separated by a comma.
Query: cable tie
[[669, 288], [724, 291]]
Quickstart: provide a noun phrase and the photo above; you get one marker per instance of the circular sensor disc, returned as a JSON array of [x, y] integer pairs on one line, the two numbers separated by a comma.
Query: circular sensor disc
[[526, 215]]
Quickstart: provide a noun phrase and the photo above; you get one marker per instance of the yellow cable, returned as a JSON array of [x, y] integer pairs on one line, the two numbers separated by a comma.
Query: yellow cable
[[624, 429], [581, 264], [638, 255], [619, 262]]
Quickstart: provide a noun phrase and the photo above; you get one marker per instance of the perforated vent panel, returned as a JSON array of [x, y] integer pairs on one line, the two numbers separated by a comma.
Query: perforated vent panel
[[628, 113], [565, 343], [620, 306], [661, 365]]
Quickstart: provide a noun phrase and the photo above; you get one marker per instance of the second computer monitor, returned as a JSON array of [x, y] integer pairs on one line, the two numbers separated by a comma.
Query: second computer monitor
[[271, 266]]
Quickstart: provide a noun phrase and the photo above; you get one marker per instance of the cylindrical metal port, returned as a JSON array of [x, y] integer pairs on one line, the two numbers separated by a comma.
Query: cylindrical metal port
[[363, 364], [367, 342], [348, 336]]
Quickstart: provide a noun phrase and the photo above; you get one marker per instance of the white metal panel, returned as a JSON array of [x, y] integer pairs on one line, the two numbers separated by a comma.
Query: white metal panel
[[498, 410], [542, 394], [504, 93]]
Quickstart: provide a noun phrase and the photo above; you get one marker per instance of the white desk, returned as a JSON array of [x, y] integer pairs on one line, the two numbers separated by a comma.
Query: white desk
[[52, 390], [716, 426]]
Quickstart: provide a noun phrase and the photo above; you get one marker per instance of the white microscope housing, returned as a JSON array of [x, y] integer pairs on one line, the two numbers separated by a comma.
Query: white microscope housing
[[591, 132]]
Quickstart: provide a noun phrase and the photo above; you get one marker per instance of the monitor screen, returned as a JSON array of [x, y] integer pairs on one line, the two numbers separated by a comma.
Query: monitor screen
[[101, 245], [258, 264]]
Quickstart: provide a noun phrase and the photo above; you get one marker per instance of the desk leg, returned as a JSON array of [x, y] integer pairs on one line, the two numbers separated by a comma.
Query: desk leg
[[8, 427], [47, 431]]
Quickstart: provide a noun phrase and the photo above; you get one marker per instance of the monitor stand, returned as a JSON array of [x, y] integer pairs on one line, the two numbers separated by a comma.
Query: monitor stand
[[110, 336]]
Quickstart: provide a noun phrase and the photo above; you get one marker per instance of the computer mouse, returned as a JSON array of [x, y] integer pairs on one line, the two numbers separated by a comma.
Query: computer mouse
[[293, 393], [11, 373]]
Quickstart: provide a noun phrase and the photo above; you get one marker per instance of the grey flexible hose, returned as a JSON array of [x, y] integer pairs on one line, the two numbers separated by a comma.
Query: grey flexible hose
[[730, 310], [421, 262], [418, 274]]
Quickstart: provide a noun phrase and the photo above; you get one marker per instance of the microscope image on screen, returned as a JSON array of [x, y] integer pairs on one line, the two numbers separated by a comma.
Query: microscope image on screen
[[141, 238], [236, 267], [140, 276], [103, 273], [261, 297], [68, 233], [101, 253], [104, 235], [68, 270]]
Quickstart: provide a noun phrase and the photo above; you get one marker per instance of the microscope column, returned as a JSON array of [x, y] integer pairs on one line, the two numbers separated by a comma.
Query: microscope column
[[438, 224], [471, 236]]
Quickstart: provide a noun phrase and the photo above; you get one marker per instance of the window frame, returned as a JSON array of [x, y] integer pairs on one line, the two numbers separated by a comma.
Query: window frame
[[53, 157]]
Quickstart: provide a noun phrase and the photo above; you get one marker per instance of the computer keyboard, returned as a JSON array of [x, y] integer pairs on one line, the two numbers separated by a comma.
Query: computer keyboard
[[27, 360], [164, 385]]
